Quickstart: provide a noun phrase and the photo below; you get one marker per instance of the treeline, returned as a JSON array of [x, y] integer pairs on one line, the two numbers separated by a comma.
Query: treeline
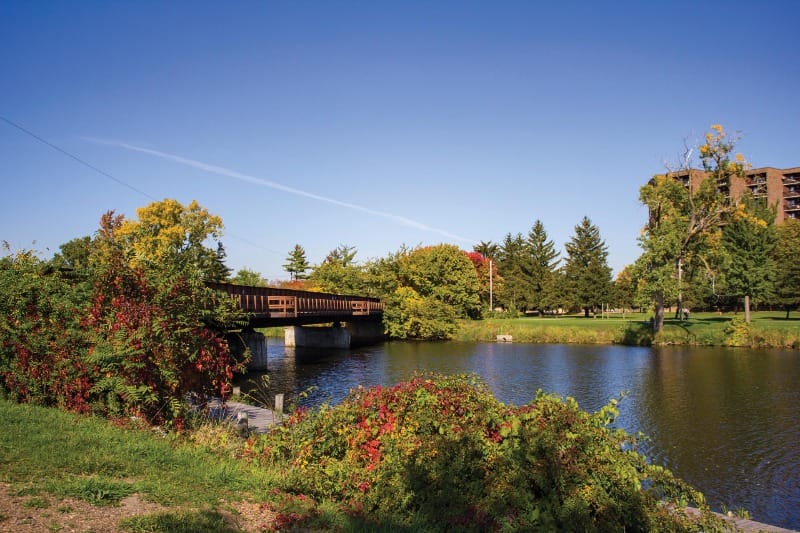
[[701, 249]]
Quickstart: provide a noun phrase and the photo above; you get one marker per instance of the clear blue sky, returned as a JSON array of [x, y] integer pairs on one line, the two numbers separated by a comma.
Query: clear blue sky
[[448, 121]]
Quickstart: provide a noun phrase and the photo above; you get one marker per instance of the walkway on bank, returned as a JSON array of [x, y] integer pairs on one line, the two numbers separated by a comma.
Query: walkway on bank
[[259, 420]]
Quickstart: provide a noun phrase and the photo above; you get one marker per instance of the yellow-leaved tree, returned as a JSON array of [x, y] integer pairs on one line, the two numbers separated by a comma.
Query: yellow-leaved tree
[[169, 233]]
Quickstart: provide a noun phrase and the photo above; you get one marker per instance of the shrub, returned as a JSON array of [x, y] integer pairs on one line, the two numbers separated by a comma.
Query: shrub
[[441, 452]]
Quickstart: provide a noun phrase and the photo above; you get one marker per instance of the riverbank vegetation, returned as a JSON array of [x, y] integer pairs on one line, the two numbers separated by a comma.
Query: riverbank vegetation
[[121, 324], [435, 453], [766, 330]]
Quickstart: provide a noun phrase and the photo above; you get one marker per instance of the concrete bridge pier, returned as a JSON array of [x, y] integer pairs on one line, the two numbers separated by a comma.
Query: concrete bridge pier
[[254, 341], [363, 333], [339, 336], [317, 337]]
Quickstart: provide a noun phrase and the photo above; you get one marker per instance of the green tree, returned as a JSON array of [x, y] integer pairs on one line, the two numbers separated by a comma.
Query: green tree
[[74, 254], [683, 227], [248, 278], [749, 238], [487, 249], [296, 263], [215, 268], [411, 316], [343, 254], [543, 263], [587, 275], [625, 288], [445, 273], [786, 254], [514, 266], [338, 273]]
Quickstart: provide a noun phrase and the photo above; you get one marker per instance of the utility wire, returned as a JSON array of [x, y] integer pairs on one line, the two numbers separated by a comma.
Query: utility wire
[[109, 176], [76, 158]]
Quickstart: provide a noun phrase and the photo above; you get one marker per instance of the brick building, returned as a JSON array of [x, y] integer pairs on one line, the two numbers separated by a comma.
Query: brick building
[[778, 186]]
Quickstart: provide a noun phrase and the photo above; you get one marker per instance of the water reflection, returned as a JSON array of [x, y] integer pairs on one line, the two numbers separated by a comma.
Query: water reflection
[[723, 419]]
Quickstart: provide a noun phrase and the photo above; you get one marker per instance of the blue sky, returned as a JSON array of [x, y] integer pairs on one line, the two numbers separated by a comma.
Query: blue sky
[[378, 124]]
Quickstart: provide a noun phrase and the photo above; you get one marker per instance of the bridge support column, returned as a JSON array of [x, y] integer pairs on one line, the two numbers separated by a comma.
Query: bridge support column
[[317, 337], [254, 341], [366, 332]]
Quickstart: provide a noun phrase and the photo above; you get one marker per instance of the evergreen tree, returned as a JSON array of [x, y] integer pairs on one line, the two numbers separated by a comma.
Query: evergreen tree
[[217, 270], [786, 255], [343, 255], [749, 238], [514, 266], [338, 273], [586, 271], [296, 263], [543, 263]]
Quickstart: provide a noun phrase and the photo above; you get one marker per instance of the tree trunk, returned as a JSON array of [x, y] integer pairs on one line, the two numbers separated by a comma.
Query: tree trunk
[[586, 312], [788, 308], [658, 321], [747, 308]]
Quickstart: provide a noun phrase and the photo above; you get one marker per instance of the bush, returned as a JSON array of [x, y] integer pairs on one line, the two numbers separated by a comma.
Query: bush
[[441, 452]]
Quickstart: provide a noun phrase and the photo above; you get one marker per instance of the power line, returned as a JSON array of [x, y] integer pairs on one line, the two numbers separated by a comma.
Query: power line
[[108, 175], [76, 158]]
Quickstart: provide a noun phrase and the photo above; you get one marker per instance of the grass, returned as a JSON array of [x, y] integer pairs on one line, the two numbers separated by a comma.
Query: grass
[[49, 451], [178, 522], [768, 329]]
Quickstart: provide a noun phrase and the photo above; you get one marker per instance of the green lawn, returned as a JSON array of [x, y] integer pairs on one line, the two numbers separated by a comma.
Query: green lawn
[[767, 329], [50, 452]]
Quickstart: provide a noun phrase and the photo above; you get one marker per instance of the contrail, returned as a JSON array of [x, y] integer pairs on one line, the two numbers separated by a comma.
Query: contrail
[[222, 171]]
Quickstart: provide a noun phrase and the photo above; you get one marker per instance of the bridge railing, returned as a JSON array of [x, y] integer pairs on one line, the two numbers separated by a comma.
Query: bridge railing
[[287, 303]]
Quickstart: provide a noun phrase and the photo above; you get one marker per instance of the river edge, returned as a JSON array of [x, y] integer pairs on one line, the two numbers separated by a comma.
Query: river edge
[[768, 331]]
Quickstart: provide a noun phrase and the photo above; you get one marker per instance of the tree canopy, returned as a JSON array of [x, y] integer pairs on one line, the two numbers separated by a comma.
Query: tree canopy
[[587, 276]]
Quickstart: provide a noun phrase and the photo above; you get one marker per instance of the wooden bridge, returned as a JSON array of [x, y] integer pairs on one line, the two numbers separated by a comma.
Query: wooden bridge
[[269, 306]]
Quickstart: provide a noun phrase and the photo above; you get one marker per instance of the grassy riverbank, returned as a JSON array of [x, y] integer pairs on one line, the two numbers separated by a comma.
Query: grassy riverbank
[[72, 472], [437, 438], [768, 329]]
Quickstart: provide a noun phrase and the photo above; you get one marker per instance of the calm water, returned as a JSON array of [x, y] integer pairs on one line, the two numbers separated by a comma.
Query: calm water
[[725, 420]]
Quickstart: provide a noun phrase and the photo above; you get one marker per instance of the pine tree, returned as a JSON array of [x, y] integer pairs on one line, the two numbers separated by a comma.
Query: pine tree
[[296, 263], [749, 238], [514, 266], [543, 263], [587, 276]]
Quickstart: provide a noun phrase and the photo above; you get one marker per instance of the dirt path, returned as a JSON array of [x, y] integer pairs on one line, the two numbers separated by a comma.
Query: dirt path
[[46, 513]]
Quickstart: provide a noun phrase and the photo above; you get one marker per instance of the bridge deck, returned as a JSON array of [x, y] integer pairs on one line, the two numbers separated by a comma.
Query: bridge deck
[[268, 306]]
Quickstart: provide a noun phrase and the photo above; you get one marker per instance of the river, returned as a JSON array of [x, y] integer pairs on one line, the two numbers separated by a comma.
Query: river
[[725, 420]]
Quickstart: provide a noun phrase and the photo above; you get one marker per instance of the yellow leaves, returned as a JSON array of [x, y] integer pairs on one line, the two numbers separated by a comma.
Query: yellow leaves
[[739, 158], [166, 228], [717, 128]]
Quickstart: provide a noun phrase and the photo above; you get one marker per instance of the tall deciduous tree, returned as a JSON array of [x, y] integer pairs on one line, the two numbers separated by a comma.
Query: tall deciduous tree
[[445, 273], [786, 254], [749, 237], [587, 276], [684, 220], [543, 263], [169, 233], [249, 278], [296, 263]]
